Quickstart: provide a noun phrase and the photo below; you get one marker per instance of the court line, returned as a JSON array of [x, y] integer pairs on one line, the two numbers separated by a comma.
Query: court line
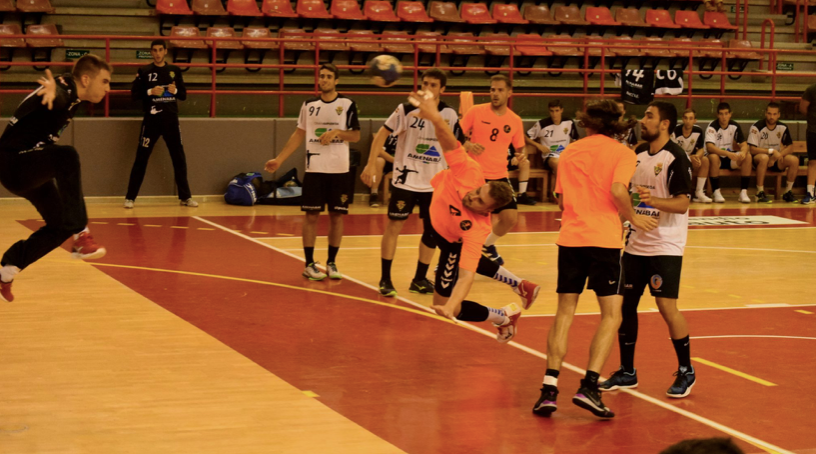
[[693, 309], [752, 335], [693, 416], [733, 371]]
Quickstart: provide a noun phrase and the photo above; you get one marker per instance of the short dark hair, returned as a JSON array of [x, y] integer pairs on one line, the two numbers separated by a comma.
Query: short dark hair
[[554, 103], [772, 105], [666, 111], [332, 68], [89, 64], [723, 106], [503, 78], [501, 192], [603, 116], [692, 111], [158, 42], [704, 446], [436, 73]]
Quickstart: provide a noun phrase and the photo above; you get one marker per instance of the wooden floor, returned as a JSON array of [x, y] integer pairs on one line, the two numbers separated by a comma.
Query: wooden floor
[[92, 363]]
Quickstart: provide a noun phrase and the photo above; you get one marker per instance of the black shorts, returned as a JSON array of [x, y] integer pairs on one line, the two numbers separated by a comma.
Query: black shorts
[[775, 167], [447, 270], [320, 189], [388, 168], [600, 265], [510, 206], [547, 162], [811, 145], [403, 201], [661, 273], [725, 163]]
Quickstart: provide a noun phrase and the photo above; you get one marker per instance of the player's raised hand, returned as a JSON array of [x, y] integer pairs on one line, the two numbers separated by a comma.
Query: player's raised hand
[[49, 89], [272, 165], [444, 311], [428, 108]]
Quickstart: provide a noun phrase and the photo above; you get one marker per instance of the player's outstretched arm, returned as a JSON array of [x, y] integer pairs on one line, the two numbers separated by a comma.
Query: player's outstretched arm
[[429, 110], [294, 141], [376, 149]]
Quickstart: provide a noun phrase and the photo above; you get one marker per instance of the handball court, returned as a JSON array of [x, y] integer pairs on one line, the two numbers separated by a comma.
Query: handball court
[[197, 334]]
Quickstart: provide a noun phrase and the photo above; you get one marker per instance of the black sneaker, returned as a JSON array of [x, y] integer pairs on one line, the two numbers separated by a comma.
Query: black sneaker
[[682, 384], [373, 200], [491, 253], [762, 198], [424, 287], [620, 380], [546, 403], [588, 397], [387, 288], [525, 199], [789, 197]]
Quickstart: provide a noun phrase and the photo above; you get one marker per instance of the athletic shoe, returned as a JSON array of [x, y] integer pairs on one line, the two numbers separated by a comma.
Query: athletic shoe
[[85, 248], [789, 197], [809, 199], [700, 197], [387, 288], [313, 273], [546, 403], [423, 287], [189, 203], [491, 253], [682, 384], [128, 203], [508, 330], [588, 397], [762, 198], [331, 267], [718, 198], [528, 292], [5, 291], [743, 197], [620, 380], [525, 199], [373, 200]]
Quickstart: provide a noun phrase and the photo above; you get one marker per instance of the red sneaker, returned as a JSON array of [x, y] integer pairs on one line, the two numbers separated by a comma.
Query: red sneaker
[[528, 292], [5, 292], [85, 248], [509, 329]]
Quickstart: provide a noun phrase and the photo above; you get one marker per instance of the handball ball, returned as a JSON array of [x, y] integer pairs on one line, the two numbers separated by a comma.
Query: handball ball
[[385, 70]]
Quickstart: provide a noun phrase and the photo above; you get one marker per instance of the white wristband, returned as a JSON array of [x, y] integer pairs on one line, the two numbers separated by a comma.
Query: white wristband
[[149, 90], [771, 151]]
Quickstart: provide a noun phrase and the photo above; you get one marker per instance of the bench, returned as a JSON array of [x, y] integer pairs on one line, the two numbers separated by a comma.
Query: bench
[[799, 148]]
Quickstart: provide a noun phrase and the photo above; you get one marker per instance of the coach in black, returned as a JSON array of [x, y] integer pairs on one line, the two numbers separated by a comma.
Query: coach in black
[[159, 85], [48, 175]]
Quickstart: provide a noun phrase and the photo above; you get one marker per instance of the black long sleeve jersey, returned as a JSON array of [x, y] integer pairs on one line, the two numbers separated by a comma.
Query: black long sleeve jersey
[[150, 76]]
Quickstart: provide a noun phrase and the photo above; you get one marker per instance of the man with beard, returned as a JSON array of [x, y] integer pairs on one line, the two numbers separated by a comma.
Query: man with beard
[[772, 146], [328, 123]]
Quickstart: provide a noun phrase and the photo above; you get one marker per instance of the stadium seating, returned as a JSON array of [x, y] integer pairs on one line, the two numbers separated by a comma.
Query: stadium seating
[[444, 12], [463, 46], [539, 14], [190, 46], [363, 49], [653, 54], [600, 16], [295, 48], [476, 13], [208, 8], [508, 14], [409, 11], [630, 19], [257, 47], [661, 20], [9, 45], [427, 52], [278, 8], [173, 7], [529, 47], [569, 17], [347, 10], [497, 48], [312, 9], [396, 42], [247, 8], [50, 37], [708, 56], [34, 6], [380, 11], [718, 22], [331, 42], [223, 47], [690, 22], [623, 54], [739, 60]]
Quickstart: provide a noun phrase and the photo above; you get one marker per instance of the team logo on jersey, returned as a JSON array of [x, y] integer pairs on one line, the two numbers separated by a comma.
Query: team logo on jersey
[[400, 204], [339, 110], [779, 134], [465, 225], [658, 168], [507, 129], [320, 131], [454, 211], [566, 130], [343, 198], [173, 74], [427, 150], [656, 281]]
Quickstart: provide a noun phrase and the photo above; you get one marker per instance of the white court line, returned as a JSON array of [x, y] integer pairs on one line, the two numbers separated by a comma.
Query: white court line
[[752, 335], [406, 247], [659, 403], [747, 306], [750, 249]]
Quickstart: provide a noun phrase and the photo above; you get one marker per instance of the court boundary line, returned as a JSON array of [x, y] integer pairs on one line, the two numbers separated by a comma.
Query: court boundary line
[[701, 419], [763, 336], [694, 309]]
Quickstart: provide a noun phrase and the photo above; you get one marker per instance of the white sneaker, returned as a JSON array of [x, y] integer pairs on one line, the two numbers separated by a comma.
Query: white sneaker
[[333, 273], [313, 273], [743, 197], [700, 197], [128, 203], [508, 331], [189, 203], [718, 198]]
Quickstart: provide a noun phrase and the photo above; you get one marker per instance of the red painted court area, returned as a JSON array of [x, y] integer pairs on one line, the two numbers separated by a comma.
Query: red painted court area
[[429, 386]]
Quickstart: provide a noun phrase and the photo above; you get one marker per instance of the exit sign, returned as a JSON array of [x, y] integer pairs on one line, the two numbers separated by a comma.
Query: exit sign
[[784, 66], [75, 53]]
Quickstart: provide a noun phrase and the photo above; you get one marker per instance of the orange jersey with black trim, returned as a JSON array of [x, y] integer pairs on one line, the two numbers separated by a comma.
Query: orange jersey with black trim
[[495, 133], [449, 216]]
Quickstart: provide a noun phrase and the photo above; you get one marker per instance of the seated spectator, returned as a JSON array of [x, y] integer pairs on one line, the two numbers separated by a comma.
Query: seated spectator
[[727, 149], [385, 165], [628, 138], [704, 446], [690, 137], [523, 166], [771, 145], [553, 135]]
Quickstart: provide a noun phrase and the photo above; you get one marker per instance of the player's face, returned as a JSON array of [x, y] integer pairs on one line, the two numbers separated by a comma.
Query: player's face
[[96, 87], [479, 200], [689, 120], [771, 116], [723, 116], [650, 125], [434, 86], [326, 81], [499, 94], [555, 114], [158, 52]]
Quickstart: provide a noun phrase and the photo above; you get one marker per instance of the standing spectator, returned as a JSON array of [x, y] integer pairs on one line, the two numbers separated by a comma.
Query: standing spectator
[[690, 138], [807, 106], [772, 146], [160, 86], [723, 138], [553, 135]]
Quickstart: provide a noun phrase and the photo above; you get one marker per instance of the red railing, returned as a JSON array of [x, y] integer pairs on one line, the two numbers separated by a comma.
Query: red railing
[[692, 49]]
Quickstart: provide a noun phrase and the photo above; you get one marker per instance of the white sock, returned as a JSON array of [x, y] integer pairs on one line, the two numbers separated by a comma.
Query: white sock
[[790, 186], [701, 185], [504, 275], [743, 192], [496, 316], [522, 187], [491, 239], [810, 189], [76, 235], [760, 188], [550, 380], [8, 272]]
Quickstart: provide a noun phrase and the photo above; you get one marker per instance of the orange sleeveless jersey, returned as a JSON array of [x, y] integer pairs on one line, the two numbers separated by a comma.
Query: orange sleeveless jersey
[[496, 134], [449, 216]]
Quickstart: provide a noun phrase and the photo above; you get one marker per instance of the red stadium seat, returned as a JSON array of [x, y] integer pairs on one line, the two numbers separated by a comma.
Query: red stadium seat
[[412, 12], [656, 52], [630, 17], [569, 15], [532, 45], [258, 32], [624, 52], [600, 15], [689, 20], [746, 53], [718, 21], [186, 31], [396, 42], [498, 47], [444, 12], [710, 48], [223, 32], [347, 10], [11, 29], [364, 47], [278, 8], [34, 6], [476, 13], [312, 9], [508, 14], [7, 6], [539, 14], [243, 8], [49, 31], [660, 18], [380, 11], [173, 7], [569, 49], [431, 48], [208, 8], [463, 44], [331, 40], [294, 45]]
